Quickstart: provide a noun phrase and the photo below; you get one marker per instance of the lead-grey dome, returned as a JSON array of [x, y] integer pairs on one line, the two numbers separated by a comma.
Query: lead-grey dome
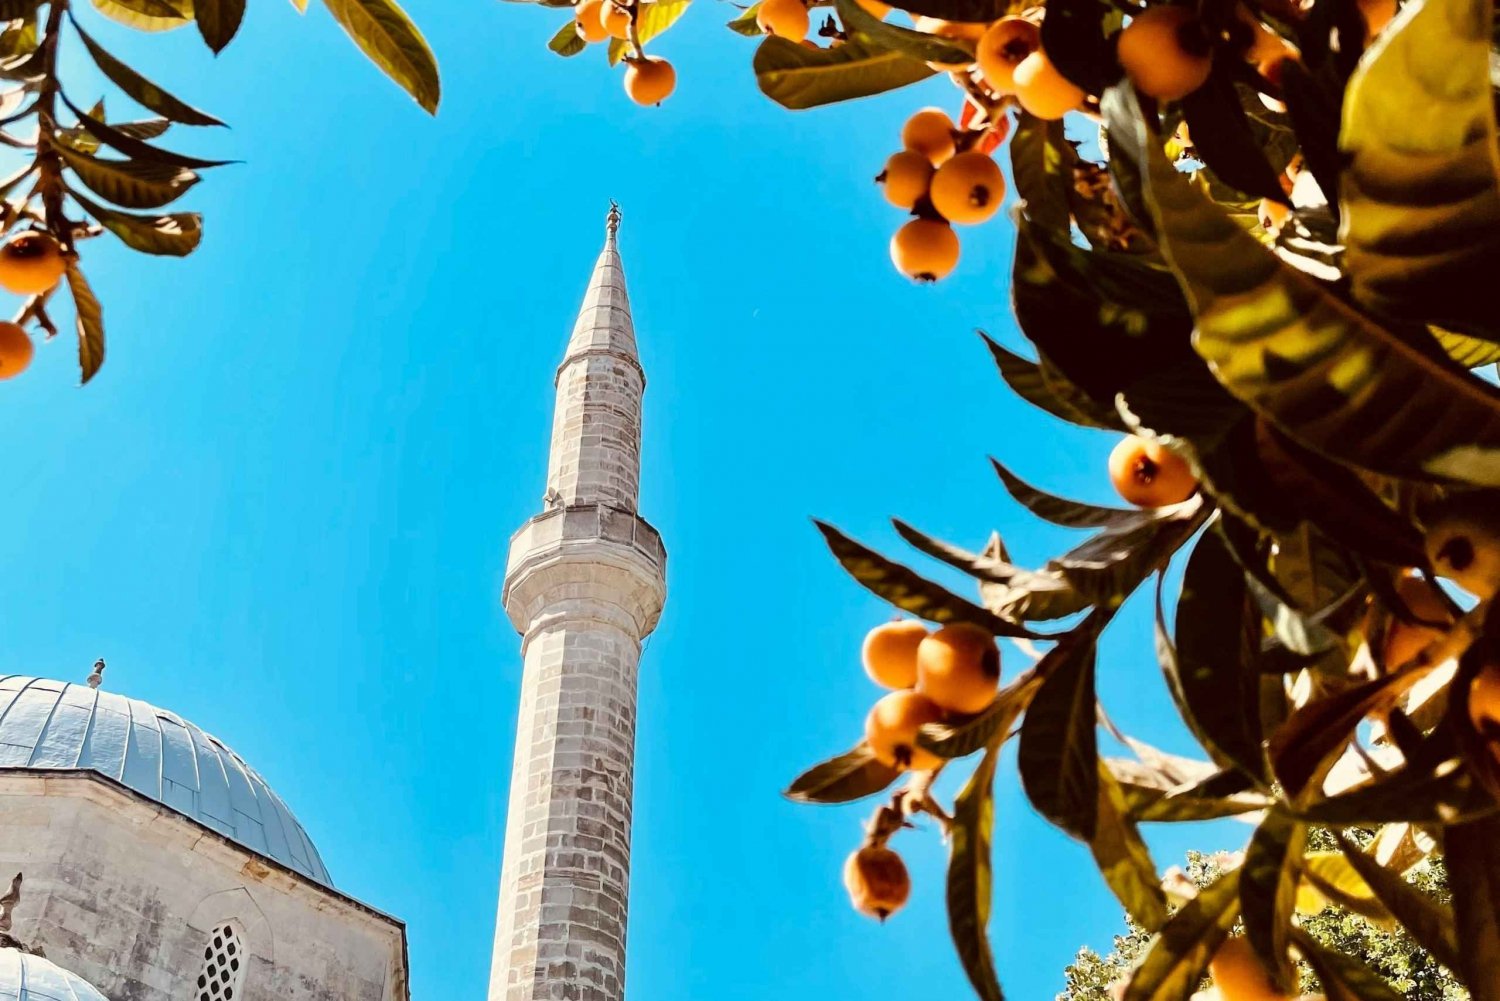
[[24, 977], [52, 724]]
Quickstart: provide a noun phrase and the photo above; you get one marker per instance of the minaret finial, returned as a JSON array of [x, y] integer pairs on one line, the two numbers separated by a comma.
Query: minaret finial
[[97, 678], [612, 221]]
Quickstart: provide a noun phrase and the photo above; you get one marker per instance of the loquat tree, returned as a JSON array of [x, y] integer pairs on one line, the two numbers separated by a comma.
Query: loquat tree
[[81, 173], [1273, 280]]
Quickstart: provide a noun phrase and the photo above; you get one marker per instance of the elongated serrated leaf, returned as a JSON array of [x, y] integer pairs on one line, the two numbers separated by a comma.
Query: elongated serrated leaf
[[1279, 341], [567, 41], [1472, 853], [1039, 165], [866, 27], [1178, 954], [959, 740], [218, 20], [1470, 352], [1059, 757], [1420, 195], [1445, 793], [844, 779], [1027, 596], [1073, 34], [747, 23], [1207, 672], [1059, 510], [89, 323], [1223, 139], [908, 591], [970, 878], [133, 147], [12, 10], [1123, 858], [1055, 395], [652, 20], [141, 90], [147, 15], [972, 11], [1427, 921], [798, 77], [384, 32], [1268, 890], [1108, 567], [130, 183], [175, 234], [1335, 879], [1342, 977]]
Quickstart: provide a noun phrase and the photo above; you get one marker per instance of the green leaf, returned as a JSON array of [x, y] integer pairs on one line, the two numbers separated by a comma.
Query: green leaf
[[909, 592], [1178, 954], [652, 20], [1123, 858], [1218, 692], [14, 10], [147, 15], [18, 38], [1472, 853], [1445, 793], [1470, 352], [130, 183], [1342, 977], [844, 779], [1419, 195], [960, 739], [973, 11], [1112, 563], [175, 234], [747, 23], [133, 147], [866, 27], [1040, 161], [970, 877], [141, 90], [1059, 510], [218, 20], [1059, 757], [567, 41], [1331, 875], [1268, 890], [383, 32], [1032, 382], [1425, 920], [797, 77], [1276, 339], [89, 323]]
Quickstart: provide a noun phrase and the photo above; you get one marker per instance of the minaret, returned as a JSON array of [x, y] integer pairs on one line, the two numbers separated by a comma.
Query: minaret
[[584, 585]]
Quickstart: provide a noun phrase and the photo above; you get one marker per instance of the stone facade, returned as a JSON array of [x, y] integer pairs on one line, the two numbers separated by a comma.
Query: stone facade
[[585, 585], [127, 893]]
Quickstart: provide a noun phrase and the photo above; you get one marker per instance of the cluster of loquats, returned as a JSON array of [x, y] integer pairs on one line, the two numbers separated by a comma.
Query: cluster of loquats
[[649, 80], [31, 264], [942, 676]]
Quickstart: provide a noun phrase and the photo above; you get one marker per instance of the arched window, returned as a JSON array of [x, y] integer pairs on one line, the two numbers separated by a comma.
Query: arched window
[[223, 966]]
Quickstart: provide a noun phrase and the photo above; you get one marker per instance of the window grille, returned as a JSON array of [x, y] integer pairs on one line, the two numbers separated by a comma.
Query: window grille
[[223, 966]]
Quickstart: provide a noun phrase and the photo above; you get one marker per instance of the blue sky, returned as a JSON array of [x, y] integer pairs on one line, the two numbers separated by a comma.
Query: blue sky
[[282, 508]]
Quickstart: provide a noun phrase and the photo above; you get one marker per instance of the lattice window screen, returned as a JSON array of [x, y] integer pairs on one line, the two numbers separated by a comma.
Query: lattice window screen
[[223, 966]]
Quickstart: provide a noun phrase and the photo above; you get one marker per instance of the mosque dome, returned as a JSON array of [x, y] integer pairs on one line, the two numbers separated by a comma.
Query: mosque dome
[[24, 977], [55, 725]]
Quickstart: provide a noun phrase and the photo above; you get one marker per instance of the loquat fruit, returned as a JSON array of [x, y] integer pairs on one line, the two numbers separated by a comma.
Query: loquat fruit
[[1165, 52], [1239, 976], [968, 188], [958, 668], [30, 263], [16, 350], [875, 8], [1404, 640], [925, 250], [906, 178], [891, 730], [889, 653], [616, 20], [877, 881], [784, 18], [649, 79], [1377, 14], [1042, 89], [957, 31], [1149, 475], [588, 21], [1484, 698], [1272, 214], [1002, 47], [929, 132], [1465, 548]]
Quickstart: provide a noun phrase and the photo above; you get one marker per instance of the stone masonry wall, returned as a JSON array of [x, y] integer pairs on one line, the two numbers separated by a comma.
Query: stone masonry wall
[[596, 432], [561, 927], [125, 894]]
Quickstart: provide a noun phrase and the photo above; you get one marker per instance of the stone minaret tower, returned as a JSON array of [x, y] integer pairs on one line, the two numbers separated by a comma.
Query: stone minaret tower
[[584, 585]]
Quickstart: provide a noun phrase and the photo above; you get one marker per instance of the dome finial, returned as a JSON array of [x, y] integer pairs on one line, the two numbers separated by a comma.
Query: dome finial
[[612, 221], [97, 678]]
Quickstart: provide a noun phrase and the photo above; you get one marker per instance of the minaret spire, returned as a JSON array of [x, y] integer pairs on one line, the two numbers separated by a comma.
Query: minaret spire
[[584, 585]]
